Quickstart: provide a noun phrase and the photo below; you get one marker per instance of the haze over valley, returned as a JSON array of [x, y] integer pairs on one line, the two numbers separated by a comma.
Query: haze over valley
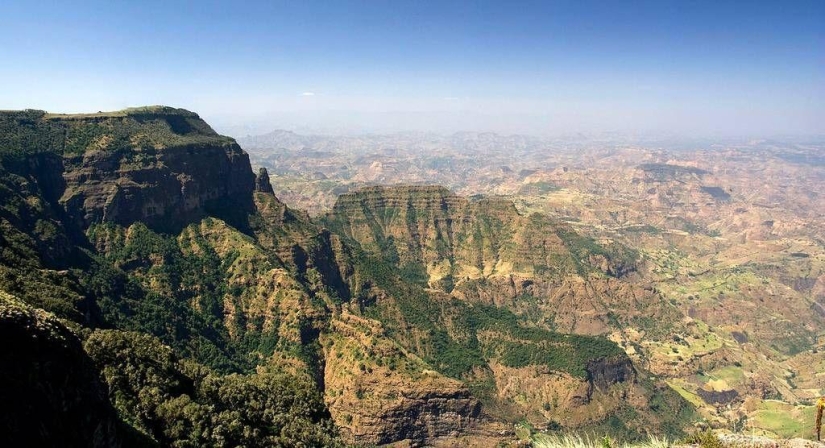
[[412, 224]]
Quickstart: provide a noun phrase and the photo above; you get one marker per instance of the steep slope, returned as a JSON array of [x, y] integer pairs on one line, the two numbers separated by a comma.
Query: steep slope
[[463, 265], [484, 251], [51, 394], [92, 207]]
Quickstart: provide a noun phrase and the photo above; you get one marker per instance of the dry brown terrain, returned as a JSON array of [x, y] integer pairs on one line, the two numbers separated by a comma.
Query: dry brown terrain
[[732, 236]]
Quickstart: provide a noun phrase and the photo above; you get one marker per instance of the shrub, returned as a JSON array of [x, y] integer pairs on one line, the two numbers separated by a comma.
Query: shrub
[[705, 439]]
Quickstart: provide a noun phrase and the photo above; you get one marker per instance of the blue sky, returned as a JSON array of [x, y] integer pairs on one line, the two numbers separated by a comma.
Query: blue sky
[[688, 67]]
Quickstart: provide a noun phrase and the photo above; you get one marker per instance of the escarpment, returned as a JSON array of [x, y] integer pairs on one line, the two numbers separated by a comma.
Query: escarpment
[[163, 188], [483, 250], [453, 238]]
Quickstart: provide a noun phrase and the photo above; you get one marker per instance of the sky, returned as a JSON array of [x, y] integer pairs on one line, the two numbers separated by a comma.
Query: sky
[[694, 68]]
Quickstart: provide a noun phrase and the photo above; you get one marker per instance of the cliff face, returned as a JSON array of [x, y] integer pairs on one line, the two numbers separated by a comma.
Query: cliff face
[[262, 184], [378, 395], [545, 396], [484, 251], [605, 372], [160, 166], [160, 188], [450, 237]]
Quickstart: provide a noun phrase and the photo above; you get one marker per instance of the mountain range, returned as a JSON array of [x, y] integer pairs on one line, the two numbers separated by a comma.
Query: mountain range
[[157, 292]]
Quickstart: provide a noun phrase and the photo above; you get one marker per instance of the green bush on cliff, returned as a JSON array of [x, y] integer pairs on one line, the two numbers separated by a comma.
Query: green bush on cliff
[[157, 295], [25, 132], [32, 131], [525, 346], [181, 403], [704, 439], [438, 323]]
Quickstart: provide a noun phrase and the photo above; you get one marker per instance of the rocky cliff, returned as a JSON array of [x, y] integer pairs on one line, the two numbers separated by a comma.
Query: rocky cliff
[[450, 237], [160, 166], [262, 184], [378, 394], [483, 250]]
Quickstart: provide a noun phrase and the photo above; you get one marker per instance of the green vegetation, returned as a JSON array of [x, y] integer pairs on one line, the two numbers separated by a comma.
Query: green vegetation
[[25, 133], [566, 353], [684, 393], [180, 403], [37, 253], [157, 399], [646, 228], [51, 394], [449, 330], [783, 419], [731, 375], [31, 131], [591, 441], [538, 188], [705, 439], [155, 297]]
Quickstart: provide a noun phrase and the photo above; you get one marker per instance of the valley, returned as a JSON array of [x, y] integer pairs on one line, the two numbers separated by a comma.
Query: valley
[[730, 237]]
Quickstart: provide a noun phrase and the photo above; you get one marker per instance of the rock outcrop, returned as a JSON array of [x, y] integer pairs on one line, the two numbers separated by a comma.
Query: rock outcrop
[[262, 184], [377, 395], [605, 372]]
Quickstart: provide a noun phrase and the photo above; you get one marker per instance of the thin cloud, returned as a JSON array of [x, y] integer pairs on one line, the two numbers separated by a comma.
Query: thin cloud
[[308, 94]]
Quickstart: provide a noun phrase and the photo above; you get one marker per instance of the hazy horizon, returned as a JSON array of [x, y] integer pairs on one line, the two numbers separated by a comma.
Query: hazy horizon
[[703, 69]]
